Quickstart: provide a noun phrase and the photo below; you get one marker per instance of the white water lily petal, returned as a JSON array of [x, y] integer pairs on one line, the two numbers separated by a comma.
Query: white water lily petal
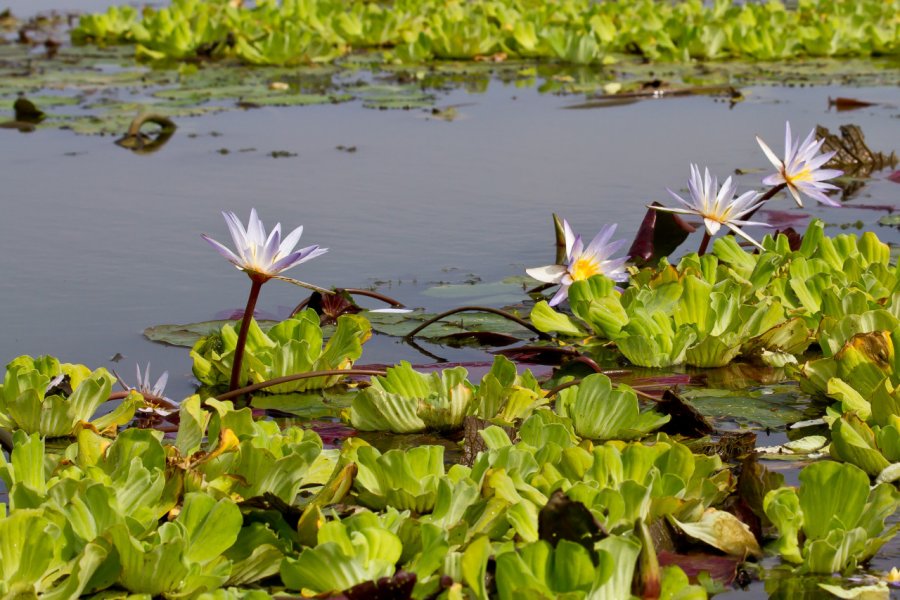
[[391, 311], [260, 255], [712, 226], [800, 169], [143, 386], [548, 274]]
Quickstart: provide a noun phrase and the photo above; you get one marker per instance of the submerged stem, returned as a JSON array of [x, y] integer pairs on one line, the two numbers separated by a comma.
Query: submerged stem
[[488, 309], [242, 336]]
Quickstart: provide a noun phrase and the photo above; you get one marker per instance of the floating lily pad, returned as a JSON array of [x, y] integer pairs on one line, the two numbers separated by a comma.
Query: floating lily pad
[[306, 406], [396, 97], [890, 220], [187, 335], [496, 292], [392, 324], [750, 409]]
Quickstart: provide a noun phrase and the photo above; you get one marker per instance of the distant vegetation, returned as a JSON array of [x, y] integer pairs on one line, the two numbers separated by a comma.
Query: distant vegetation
[[573, 31]]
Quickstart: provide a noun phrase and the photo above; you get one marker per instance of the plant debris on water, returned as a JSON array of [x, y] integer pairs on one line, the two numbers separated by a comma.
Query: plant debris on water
[[607, 449]]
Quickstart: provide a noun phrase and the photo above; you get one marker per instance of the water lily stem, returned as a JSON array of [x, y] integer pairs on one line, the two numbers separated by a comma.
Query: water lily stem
[[765, 198], [242, 336], [703, 245]]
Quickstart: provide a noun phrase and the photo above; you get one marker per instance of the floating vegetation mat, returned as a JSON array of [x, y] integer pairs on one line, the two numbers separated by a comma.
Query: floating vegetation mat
[[91, 90]]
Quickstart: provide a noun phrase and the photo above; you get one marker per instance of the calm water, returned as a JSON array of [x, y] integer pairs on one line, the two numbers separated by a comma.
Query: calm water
[[100, 243]]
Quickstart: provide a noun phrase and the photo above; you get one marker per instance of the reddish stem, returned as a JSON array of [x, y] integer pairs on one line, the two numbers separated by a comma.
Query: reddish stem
[[242, 336], [764, 198], [704, 243]]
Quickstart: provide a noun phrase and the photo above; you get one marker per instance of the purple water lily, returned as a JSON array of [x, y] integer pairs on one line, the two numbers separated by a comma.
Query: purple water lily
[[262, 256], [583, 262], [717, 206]]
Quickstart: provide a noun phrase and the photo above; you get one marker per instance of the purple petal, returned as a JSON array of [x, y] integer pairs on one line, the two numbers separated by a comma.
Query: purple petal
[[560, 295], [295, 258], [237, 231], [600, 240], [773, 158], [272, 245], [788, 149], [821, 197], [824, 174], [224, 251], [256, 231], [679, 198]]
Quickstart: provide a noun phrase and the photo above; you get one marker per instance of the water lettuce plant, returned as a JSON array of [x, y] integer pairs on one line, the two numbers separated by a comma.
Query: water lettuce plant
[[291, 347], [406, 401], [575, 31], [825, 532], [599, 412], [40, 395]]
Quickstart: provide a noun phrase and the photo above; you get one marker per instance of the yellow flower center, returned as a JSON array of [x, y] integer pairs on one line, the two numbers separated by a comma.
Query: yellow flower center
[[803, 175], [583, 268]]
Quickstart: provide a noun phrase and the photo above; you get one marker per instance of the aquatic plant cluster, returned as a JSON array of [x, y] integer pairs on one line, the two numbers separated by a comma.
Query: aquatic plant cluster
[[583, 490], [291, 32]]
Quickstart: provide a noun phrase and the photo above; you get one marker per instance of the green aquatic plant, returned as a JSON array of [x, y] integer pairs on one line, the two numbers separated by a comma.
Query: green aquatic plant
[[40, 395], [599, 412], [291, 347], [348, 552], [569, 570], [262, 258], [404, 480], [184, 556], [824, 532], [573, 31], [405, 401], [875, 450]]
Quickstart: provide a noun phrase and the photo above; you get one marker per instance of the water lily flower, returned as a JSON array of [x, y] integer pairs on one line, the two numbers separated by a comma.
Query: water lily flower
[[717, 206], [582, 263], [143, 383], [260, 256], [801, 168], [154, 395]]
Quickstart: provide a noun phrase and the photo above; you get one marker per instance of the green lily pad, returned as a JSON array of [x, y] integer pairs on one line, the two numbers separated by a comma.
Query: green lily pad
[[187, 335], [507, 291], [750, 409], [890, 220], [305, 405], [404, 97]]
